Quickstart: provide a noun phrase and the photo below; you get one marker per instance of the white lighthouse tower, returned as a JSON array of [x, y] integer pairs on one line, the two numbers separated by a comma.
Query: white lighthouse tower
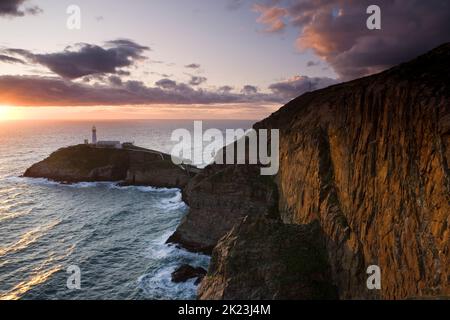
[[94, 135]]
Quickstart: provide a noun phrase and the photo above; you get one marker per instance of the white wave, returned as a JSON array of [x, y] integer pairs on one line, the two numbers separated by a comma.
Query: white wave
[[86, 185], [174, 203], [158, 248], [144, 188], [82, 185], [157, 283]]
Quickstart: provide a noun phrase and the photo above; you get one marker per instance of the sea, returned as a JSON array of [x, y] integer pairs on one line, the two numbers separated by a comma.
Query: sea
[[114, 236]]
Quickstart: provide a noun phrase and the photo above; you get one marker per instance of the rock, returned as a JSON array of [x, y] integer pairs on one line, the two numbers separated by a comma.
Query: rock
[[186, 272], [370, 160], [265, 259], [136, 166], [218, 198]]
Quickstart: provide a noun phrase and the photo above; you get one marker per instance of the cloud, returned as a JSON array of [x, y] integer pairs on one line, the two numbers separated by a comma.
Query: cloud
[[196, 81], [13, 8], [249, 90], [8, 59], [272, 17], [336, 31], [115, 81], [87, 59], [312, 64], [298, 85], [166, 84], [53, 91], [193, 66], [225, 89]]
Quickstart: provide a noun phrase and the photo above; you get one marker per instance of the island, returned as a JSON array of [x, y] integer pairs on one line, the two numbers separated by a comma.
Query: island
[[129, 164]]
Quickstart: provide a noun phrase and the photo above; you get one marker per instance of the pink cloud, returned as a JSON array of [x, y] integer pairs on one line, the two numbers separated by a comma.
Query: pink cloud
[[272, 17]]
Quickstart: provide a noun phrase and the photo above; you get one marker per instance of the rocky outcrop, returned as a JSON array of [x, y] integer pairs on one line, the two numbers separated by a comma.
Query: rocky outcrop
[[264, 259], [186, 272], [218, 198], [132, 166], [370, 160]]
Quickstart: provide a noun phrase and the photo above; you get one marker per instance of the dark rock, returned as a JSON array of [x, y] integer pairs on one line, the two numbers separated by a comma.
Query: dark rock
[[218, 198], [265, 259], [186, 272]]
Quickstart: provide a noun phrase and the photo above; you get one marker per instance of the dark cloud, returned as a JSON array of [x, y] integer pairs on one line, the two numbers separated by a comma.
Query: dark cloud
[[298, 85], [115, 81], [312, 64], [336, 31], [37, 91], [196, 81], [249, 90], [13, 8], [166, 84], [193, 66], [225, 89], [52, 91], [8, 59], [87, 59]]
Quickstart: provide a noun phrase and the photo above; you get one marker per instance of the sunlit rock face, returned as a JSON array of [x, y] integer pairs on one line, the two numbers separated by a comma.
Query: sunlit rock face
[[370, 160]]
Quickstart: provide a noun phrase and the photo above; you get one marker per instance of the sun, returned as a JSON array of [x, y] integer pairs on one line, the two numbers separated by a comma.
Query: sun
[[4, 112], [7, 113]]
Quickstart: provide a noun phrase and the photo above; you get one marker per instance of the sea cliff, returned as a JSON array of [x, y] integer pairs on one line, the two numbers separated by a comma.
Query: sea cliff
[[368, 160]]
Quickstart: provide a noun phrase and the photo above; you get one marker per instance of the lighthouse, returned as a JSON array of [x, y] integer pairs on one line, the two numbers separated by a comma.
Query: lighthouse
[[94, 135]]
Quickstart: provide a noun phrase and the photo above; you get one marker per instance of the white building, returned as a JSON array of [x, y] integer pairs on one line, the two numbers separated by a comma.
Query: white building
[[109, 144], [104, 144], [94, 135]]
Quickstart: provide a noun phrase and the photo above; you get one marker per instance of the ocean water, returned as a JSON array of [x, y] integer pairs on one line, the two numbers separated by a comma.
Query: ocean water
[[115, 235]]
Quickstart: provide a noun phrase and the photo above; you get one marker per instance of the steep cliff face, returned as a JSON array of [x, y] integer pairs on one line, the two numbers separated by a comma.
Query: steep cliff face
[[370, 160], [220, 197], [264, 259], [85, 163]]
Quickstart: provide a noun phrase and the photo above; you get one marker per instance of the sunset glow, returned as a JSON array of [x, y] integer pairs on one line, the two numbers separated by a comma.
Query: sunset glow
[[9, 113]]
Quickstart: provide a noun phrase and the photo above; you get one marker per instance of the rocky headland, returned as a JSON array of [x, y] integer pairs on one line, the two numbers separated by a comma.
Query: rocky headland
[[131, 166]]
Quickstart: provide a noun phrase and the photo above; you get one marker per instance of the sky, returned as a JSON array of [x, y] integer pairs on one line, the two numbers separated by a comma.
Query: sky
[[197, 59]]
